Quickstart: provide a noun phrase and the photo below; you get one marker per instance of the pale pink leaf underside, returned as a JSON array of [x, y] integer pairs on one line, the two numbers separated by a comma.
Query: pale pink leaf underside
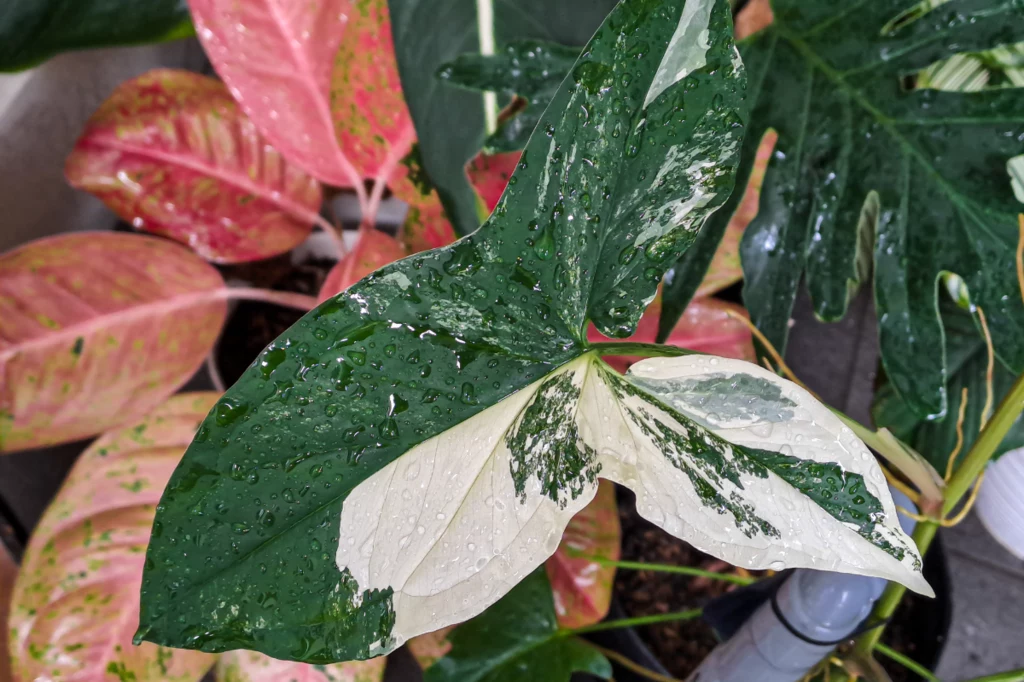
[[250, 666], [277, 56], [374, 250], [582, 587], [171, 153], [75, 603], [96, 328]]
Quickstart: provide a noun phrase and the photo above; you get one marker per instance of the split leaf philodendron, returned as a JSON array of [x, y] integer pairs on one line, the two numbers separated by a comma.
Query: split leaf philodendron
[[414, 447], [870, 179]]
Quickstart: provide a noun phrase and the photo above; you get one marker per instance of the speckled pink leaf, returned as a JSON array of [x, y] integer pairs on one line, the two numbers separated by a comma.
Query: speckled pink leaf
[[489, 174], [725, 268], [249, 666], [171, 153], [277, 57], [373, 250], [76, 600], [96, 328], [375, 129], [705, 326], [583, 587], [7, 573]]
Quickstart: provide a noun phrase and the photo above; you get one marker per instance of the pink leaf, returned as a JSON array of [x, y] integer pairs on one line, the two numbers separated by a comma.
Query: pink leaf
[[8, 571], [705, 326], [583, 587], [76, 600], [429, 648], [250, 666], [171, 153], [489, 175], [96, 328], [725, 268], [277, 57], [374, 250]]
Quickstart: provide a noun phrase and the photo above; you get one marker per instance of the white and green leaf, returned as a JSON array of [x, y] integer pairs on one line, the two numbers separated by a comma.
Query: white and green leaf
[[415, 446]]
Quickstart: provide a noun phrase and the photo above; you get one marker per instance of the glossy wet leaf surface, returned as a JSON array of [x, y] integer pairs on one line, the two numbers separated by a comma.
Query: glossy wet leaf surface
[[98, 327], [449, 121], [34, 30], [172, 154], [517, 639], [529, 69], [75, 603], [913, 183], [598, 208]]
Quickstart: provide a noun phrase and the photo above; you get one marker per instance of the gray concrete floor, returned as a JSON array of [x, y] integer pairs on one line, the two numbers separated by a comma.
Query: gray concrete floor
[[838, 361]]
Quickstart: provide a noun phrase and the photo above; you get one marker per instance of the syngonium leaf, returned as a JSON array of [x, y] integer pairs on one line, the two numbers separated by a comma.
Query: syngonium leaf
[[96, 328], [530, 70], [915, 180], [171, 153], [517, 639], [415, 446], [32, 31]]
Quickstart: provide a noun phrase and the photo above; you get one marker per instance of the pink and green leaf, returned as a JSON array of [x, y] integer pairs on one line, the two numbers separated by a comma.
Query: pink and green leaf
[[250, 666], [171, 153], [75, 604], [278, 58], [489, 174], [96, 328], [8, 571], [583, 587], [373, 251]]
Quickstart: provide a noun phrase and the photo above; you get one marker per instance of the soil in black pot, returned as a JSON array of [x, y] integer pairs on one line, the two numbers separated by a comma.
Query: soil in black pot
[[681, 646]]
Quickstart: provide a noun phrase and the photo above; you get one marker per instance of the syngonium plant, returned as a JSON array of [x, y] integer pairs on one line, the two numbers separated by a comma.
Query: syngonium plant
[[414, 447]]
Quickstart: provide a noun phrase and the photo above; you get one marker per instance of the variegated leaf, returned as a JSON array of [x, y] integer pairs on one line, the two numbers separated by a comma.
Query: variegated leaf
[[373, 250], [171, 153], [278, 57], [75, 603], [8, 571], [415, 446], [96, 328], [249, 666]]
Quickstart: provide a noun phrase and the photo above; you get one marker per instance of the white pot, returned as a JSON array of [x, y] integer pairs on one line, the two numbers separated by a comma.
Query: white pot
[[1000, 503]]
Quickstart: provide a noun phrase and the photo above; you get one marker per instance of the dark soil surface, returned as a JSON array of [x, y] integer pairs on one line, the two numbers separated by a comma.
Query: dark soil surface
[[681, 646]]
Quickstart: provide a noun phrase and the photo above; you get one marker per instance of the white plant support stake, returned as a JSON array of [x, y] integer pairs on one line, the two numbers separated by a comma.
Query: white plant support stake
[[822, 606]]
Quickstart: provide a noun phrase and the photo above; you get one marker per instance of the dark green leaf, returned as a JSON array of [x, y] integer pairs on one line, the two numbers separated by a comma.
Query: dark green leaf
[[633, 160], [34, 30], [967, 359], [517, 639], [920, 175], [529, 69], [449, 121]]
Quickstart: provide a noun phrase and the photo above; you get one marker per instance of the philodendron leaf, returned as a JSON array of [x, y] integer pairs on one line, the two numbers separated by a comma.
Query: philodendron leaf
[[531, 70], [250, 666], [96, 328], [171, 153], [582, 587], [917, 178], [450, 121], [34, 30], [517, 639], [415, 446], [75, 601]]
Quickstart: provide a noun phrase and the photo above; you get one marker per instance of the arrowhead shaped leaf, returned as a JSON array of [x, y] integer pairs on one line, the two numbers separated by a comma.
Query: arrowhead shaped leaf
[[517, 638], [416, 446], [249, 666], [915, 178], [96, 328], [31, 31], [74, 604], [171, 153]]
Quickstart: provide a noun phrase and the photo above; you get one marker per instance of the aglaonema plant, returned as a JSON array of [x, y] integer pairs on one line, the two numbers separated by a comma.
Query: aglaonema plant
[[414, 447]]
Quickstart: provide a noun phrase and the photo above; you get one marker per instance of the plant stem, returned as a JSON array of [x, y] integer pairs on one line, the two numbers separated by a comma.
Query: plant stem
[[631, 666], [282, 298], [907, 663], [666, 568], [1008, 676], [485, 27], [983, 449], [645, 350], [633, 622]]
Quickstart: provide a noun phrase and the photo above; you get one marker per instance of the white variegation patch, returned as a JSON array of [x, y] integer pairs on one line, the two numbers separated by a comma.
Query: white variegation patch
[[460, 519], [687, 49]]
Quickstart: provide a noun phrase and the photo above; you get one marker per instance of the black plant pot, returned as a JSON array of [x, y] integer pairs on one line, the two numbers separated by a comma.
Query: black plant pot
[[931, 622]]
